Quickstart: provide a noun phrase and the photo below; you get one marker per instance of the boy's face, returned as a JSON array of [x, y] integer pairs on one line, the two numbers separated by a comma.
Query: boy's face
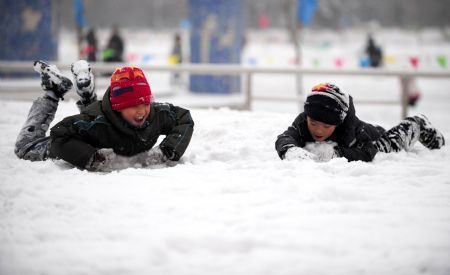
[[136, 115], [319, 131]]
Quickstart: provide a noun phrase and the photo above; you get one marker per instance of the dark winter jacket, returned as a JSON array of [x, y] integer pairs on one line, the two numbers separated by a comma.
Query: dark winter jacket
[[374, 53], [115, 43], [76, 138], [354, 137], [92, 46]]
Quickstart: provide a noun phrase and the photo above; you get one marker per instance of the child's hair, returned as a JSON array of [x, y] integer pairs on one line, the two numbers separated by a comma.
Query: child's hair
[[129, 88], [327, 103]]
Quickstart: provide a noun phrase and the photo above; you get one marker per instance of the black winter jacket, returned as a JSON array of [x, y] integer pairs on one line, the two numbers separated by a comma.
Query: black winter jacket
[[354, 137], [76, 138]]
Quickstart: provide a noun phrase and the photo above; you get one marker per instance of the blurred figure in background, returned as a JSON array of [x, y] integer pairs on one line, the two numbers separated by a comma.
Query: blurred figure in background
[[374, 52], [89, 51], [176, 58], [412, 90], [114, 49]]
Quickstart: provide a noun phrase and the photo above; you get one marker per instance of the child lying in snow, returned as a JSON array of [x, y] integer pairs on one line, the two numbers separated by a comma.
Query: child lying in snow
[[114, 133], [329, 128]]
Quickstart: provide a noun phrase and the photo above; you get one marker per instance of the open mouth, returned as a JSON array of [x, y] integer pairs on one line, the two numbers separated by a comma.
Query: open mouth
[[139, 120], [318, 137]]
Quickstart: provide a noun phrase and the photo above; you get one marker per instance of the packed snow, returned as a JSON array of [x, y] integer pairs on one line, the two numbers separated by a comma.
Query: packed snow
[[231, 206]]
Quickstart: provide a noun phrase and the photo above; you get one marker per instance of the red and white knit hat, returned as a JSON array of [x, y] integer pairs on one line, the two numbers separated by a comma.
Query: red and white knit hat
[[129, 88]]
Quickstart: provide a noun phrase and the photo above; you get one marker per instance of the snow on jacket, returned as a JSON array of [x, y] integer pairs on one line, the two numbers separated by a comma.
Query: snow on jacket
[[354, 137], [76, 138]]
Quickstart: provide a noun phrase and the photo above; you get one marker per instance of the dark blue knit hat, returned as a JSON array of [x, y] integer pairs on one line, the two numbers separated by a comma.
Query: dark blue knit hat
[[327, 103]]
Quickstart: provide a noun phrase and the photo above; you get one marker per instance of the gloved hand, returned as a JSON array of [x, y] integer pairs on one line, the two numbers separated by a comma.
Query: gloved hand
[[296, 153], [105, 160], [323, 151], [153, 156], [102, 161]]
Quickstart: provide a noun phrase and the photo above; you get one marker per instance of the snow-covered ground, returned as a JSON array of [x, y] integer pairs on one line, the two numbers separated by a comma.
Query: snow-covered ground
[[231, 206]]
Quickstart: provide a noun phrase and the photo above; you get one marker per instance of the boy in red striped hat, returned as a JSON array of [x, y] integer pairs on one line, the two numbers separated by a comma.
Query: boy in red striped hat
[[114, 133]]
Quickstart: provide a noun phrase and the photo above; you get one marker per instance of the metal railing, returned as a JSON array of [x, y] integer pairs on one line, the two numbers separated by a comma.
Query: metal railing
[[248, 71]]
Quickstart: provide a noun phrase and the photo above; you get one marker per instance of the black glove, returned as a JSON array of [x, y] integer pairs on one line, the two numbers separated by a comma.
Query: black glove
[[102, 160]]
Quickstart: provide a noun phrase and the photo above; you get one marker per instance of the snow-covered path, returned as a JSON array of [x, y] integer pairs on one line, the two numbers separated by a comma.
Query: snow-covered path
[[230, 207]]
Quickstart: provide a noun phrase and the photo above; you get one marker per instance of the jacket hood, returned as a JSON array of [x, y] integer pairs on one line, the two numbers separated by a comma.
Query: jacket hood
[[345, 132]]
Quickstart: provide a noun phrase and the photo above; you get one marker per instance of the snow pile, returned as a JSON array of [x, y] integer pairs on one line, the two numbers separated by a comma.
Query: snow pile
[[230, 207]]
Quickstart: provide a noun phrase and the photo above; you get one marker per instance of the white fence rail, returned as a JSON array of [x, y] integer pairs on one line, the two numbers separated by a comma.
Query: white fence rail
[[247, 73]]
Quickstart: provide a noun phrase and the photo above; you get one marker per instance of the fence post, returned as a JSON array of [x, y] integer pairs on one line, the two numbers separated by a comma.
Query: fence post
[[299, 82], [405, 84], [248, 91]]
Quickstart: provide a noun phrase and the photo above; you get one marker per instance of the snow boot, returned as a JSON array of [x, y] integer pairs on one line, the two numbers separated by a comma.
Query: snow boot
[[84, 80], [52, 81], [429, 136]]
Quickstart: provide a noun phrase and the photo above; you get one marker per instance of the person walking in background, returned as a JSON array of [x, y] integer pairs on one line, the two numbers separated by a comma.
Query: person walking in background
[[176, 49], [89, 51], [115, 47], [176, 58], [374, 53]]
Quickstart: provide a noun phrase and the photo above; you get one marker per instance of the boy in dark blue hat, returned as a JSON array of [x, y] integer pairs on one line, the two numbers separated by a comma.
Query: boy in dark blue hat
[[329, 128]]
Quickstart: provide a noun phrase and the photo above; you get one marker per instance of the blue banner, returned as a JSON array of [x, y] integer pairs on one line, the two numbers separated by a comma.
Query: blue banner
[[79, 13], [28, 30], [305, 11], [216, 37]]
